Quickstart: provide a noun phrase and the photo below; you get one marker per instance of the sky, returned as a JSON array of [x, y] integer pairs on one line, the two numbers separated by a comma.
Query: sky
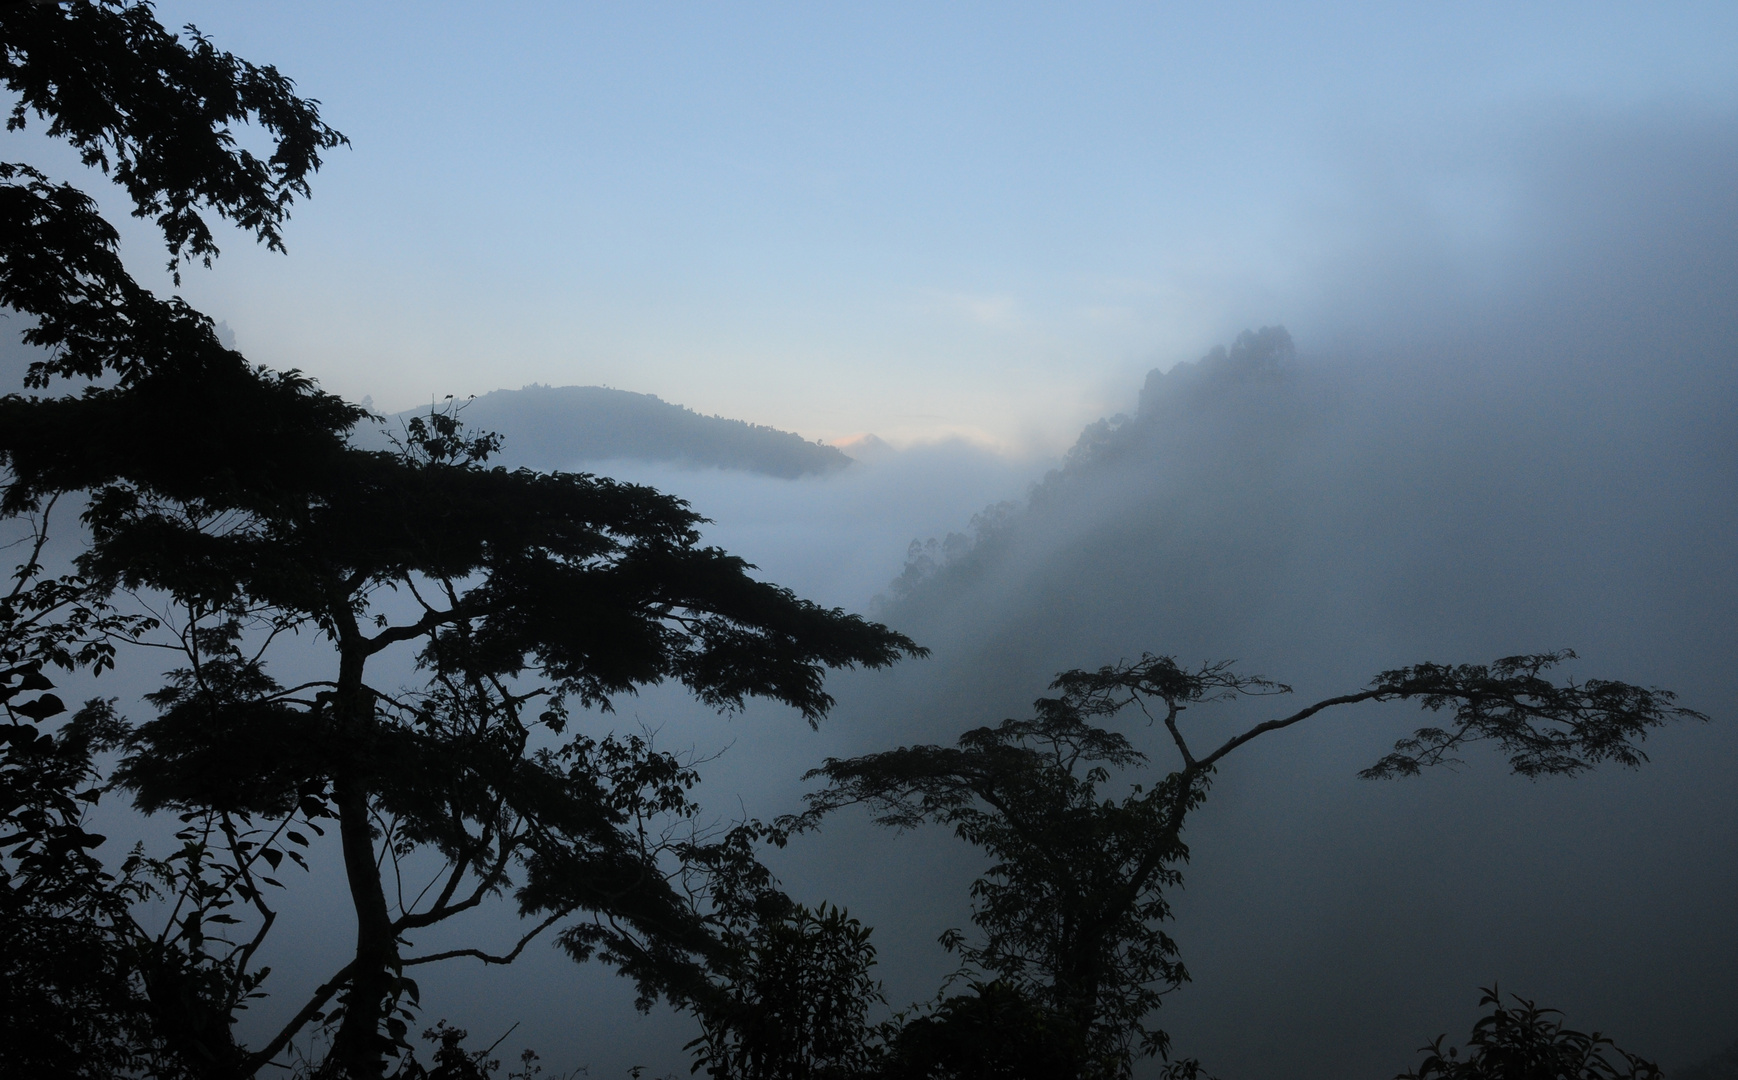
[[916, 220]]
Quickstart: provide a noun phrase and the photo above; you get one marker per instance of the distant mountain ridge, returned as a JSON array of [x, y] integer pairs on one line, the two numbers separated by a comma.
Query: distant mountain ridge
[[563, 427]]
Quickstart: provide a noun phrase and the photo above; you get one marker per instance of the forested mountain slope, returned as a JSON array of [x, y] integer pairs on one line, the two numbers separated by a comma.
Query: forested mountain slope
[[568, 427]]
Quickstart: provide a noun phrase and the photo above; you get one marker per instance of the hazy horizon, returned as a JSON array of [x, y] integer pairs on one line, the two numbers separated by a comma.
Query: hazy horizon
[[986, 221]]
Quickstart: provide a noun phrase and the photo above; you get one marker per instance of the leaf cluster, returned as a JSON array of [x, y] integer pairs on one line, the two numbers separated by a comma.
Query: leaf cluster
[[70, 1002], [789, 996], [159, 112], [1521, 1041], [1545, 728]]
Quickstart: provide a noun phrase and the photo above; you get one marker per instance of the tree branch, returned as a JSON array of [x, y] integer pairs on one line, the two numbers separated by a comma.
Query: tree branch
[[486, 957], [1171, 711], [394, 634], [441, 912], [261, 1058], [1275, 725]]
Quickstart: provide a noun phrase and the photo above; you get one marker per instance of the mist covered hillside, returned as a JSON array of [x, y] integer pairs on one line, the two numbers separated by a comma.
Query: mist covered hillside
[[1211, 423], [568, 427], [1318, 515]]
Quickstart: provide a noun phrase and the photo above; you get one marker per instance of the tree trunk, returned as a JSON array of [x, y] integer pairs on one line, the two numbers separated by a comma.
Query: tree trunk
[[360, 1047]]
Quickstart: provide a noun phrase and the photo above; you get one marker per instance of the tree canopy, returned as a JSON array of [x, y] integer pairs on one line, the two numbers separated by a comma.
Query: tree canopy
[[231, 500], [1070, 912]]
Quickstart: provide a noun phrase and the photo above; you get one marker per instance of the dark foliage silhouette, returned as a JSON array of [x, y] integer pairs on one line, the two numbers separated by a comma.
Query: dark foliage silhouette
[[792, 997], [1524, 1042], [992, 1032], [69, 1002], [589, 586], [231, 497], [158, 111], [453, 1061], [1069, 913]]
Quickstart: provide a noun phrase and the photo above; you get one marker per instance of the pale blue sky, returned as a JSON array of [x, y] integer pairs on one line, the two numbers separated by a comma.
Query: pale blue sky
[[909, 219]]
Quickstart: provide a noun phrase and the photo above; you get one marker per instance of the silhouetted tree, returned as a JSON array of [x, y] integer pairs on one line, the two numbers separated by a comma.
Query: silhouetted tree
[[70, 1004], [1524, 1042], [232, 493], [792, 998], [1069, 912]]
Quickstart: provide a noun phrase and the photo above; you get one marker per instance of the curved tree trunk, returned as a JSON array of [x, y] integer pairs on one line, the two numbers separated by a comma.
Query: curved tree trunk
[[359, 1049]]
